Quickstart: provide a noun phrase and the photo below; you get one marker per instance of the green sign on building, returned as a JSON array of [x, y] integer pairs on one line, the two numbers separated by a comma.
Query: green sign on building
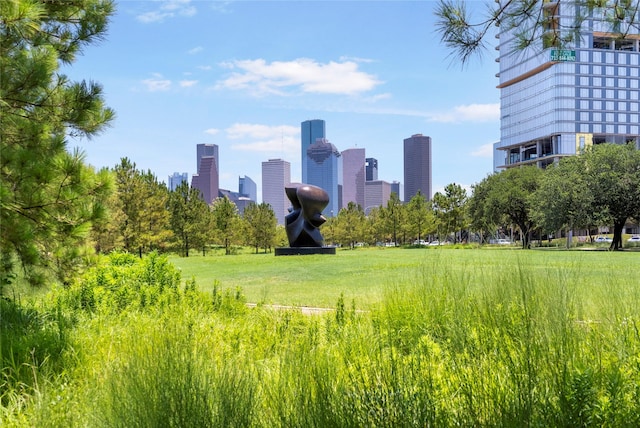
[[563, 55]]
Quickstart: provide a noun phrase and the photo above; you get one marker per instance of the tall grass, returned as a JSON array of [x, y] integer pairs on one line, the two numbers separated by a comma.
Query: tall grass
[[448, 345]]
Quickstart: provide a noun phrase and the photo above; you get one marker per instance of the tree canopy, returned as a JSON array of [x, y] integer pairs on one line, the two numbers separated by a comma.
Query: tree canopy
[[48, 195]]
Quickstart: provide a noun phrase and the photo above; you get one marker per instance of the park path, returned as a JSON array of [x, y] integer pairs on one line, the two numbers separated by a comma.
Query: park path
[[306, 310]]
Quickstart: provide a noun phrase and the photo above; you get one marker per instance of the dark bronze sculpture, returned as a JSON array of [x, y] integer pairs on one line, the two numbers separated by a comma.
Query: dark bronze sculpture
[[306, 215]]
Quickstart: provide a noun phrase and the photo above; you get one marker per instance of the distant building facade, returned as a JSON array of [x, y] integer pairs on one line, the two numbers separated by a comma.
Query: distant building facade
[[241, 202], [417, 166], [372, 169], [324, 169], [555, 101], [247, 188], [398, 189], [377, 193], [353, 176], [176, 179], [208, 177], [310, 131], [276, 174]]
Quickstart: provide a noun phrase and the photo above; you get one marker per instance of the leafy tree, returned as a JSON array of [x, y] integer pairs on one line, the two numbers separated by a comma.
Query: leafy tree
[[613, 175], [226, 222], [144, 201], [48, 195], [350, 225], [420, 216], [564, 199], [156, 230], [508, 197], [262, 224], [477, 211], [449, 208], [393, 216], [190, 217], [466, 33], [105, 230], [375, 228]]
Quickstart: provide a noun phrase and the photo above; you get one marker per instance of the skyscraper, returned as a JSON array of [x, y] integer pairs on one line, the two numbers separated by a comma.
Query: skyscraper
[[276, 174], [372, 169], [556, 100], [325, 171], [398, 189], [176, 179], [247, 187], [203, 150], [207, 178], [377, 194], [353, 176], [417, 166], [310, 131]]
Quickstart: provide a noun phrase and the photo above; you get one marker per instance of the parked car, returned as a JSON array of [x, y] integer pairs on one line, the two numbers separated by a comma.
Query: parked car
[[434, 243], [634, 238], [602, 239], [420, 242]]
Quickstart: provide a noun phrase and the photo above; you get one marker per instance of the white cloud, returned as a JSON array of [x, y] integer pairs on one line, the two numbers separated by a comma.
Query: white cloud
[[157, 83], [195, 50], [204, 67], [307, 75], [168, 9], [265, 138], [355, 59], [468, 113], [212, 131], [484, 151], [188, 83]]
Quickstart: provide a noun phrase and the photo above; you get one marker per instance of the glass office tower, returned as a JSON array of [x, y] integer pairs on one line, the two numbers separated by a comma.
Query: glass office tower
[[247, 187], [276, 175], [417, 166], [555, 100], [310, 131], [325, 171], [208, 176], [177, 179], [353, 176]]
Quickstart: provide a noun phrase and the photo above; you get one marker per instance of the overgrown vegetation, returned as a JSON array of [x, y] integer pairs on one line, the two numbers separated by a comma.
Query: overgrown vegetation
[[130, 345]]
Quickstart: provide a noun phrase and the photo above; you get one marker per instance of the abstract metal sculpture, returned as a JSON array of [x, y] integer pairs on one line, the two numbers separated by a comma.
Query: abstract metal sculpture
[[306, 216]]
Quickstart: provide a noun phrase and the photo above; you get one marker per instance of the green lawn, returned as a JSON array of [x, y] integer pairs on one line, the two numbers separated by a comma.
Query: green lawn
[[364, 274]]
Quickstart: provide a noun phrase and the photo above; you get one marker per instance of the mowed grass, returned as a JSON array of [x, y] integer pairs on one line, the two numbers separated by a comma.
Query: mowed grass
[[363, 275]]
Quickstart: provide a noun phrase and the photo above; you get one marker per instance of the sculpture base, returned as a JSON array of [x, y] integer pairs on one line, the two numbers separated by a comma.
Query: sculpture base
[[303, 251]]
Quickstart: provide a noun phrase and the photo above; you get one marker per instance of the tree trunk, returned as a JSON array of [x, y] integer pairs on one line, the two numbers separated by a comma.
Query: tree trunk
[[618, 225]]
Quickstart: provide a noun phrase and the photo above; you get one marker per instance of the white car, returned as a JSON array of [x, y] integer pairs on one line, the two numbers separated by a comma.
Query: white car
[[434, 243], [603, 239], [420, 242], [634, 238]]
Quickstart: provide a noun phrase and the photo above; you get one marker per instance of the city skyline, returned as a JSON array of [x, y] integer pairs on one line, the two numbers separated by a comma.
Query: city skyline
[[184, 73]]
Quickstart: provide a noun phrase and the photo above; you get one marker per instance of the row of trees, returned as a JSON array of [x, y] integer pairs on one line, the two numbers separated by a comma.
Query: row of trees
[[146, 216], [601, 187], [399, 222]]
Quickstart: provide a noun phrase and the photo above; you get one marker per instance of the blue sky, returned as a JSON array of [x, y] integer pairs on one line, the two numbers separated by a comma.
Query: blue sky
[[245, 74]]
